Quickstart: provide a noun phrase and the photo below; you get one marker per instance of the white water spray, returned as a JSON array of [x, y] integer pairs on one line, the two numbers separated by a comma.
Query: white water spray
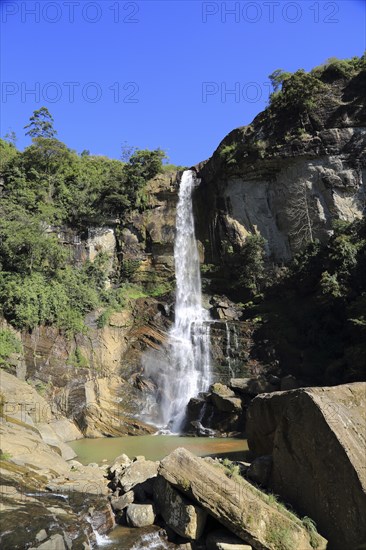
[[186, 370]]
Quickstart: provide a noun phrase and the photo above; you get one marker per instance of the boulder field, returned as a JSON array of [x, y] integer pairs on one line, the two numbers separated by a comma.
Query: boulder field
[[309, 445]]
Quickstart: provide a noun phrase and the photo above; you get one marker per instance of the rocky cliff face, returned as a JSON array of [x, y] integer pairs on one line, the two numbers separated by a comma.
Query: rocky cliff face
[[286, 177], [283, 177], [317, 440]]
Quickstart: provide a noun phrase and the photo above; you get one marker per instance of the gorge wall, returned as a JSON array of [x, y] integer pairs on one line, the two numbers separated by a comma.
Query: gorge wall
[[285, 177], [284, 171]]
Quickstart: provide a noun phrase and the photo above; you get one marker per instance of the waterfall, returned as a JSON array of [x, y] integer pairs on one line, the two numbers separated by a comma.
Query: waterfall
[[185, 370]]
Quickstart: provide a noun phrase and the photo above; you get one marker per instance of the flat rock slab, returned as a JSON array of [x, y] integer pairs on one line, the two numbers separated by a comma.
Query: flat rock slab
[[137, 473], [224, 540], [237, 505]]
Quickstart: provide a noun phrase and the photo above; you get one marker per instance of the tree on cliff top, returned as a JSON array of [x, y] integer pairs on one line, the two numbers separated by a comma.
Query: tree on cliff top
[[277, 78], [41, 124]]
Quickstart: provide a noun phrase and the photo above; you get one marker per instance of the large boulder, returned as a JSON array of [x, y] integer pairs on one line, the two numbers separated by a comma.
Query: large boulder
[[235, 503], [183, 516], [224, 399], [140, 515], [252, 386], [317, 437], [262, 419], [139, 473]]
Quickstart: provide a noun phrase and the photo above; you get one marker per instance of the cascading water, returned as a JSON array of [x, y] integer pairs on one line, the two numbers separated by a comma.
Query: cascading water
[[185, 371]]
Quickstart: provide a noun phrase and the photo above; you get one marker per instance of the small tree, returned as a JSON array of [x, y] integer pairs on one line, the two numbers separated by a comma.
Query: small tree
[[253, 265], [41, 124], [277, 78], [127, 151], [11, 137]]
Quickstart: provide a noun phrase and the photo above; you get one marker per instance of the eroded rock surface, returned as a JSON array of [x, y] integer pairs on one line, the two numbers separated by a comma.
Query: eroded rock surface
[[317, 438], [236, 504], [184, 517]]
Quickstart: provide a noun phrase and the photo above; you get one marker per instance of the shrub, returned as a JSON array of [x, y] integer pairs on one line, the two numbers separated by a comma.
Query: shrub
[[9, 344], [77, 359]]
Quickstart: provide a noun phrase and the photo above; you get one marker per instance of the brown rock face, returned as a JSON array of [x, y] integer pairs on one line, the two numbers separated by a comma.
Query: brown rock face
[[258, 169], [235, 503], [184, 517], [318, 440]]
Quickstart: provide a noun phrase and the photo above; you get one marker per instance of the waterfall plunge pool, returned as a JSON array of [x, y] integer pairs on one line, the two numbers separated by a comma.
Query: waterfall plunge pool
[[155, 447]]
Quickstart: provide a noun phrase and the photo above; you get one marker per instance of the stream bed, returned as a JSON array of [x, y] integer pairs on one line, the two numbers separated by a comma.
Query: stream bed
[[153, 447]]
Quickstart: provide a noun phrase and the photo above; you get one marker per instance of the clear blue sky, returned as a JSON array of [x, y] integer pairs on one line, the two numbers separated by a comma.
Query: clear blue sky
[[170, 61]]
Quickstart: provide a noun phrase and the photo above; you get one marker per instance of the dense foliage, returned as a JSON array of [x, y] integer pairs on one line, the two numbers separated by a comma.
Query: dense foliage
[[9, 344], [298, 91], [43, 188], [316, 316], [299, 106]]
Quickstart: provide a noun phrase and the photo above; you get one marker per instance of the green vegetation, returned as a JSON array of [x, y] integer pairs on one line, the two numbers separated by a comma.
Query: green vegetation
[[296, 109], [41, 124], [298, 91], [243, 269], [341, 68], [48, 186], [5, 456], [9, 344], [78, 360], [227, 153], [280, 537], [310, 526], [186, 484], [316, 315], [232, 470]]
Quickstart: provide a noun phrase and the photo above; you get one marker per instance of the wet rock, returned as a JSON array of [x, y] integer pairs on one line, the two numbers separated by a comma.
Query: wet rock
[[41, 536], [202, 431], [56, 542], [102, 518], [140, 515], [183, 516], [225, 310]]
